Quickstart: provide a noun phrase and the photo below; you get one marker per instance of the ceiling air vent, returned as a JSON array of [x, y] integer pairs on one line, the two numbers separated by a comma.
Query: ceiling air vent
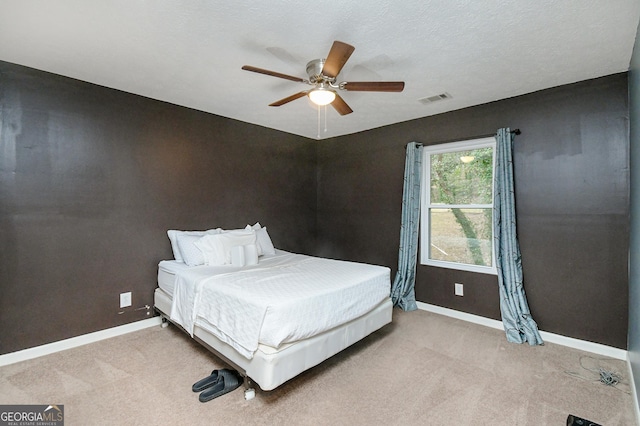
[[431, 99]]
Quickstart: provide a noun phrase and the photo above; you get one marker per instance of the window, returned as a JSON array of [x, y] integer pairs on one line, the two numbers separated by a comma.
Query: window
[[457, 206]]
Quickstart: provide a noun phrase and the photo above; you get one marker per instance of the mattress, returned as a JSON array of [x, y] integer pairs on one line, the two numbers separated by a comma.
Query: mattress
[[167, 270], [167, 275]]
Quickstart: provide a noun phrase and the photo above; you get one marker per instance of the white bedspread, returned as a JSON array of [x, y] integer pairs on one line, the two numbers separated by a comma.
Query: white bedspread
[[282, 299]]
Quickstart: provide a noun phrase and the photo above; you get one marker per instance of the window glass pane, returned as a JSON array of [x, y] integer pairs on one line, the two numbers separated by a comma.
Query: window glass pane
[[462, 177], [461, 235]]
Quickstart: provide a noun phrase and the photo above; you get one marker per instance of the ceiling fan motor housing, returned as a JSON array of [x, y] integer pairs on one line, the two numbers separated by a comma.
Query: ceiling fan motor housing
[[314, 71]]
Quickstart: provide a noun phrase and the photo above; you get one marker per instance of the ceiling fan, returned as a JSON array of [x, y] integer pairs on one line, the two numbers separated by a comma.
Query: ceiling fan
[[322, 76]]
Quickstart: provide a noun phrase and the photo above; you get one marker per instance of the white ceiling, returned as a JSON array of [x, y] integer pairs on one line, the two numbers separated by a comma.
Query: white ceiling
[[190, 52]]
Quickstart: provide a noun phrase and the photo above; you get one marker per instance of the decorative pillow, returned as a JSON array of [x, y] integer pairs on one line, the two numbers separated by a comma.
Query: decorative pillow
[[244, 255], [173, 237], [211, 249], [216, 249], [191, 254], [265, 246], [250, 254]]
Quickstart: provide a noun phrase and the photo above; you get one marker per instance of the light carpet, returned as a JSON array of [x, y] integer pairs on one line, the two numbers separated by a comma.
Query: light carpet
[[423, 368]]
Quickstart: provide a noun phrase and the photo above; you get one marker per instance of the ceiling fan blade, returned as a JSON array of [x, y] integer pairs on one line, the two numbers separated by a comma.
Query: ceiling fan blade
[[338, 56], [289, 99], [341, 106], [374, 86], [272, 73]]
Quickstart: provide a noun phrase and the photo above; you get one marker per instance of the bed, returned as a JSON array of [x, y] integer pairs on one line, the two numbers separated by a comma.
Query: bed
[[278, 316]]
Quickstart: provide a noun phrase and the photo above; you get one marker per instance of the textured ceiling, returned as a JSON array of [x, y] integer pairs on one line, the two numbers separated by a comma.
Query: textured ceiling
[[191, 52]]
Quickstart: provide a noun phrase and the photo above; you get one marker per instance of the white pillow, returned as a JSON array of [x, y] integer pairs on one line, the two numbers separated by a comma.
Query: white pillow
[[216, 249], [173, 237], [211, 249], [265, 246], [191, 254]]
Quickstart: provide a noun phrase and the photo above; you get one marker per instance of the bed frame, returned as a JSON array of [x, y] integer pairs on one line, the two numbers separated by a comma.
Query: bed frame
[[270, 367]]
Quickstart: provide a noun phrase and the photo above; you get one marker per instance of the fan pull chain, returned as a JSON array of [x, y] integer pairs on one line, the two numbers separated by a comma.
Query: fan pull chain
[[325, 119], [318, 121]]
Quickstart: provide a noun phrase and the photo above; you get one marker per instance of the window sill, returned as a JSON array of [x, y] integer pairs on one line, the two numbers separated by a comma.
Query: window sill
[[461, 267]]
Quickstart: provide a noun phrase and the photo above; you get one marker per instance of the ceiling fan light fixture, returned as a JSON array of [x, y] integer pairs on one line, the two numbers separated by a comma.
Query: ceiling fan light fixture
[[321, 96]]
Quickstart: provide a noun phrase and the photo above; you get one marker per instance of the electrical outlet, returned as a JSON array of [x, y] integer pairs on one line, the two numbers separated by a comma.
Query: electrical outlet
[[125, 299], [459, 289]]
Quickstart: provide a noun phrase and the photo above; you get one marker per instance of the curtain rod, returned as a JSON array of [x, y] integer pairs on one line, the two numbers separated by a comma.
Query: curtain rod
[[514, 131]]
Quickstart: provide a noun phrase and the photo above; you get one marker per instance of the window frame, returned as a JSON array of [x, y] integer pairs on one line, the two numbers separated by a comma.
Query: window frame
[[426, 206]]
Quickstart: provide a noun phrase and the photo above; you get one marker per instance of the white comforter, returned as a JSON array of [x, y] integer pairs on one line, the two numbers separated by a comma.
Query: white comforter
[[284, 298]]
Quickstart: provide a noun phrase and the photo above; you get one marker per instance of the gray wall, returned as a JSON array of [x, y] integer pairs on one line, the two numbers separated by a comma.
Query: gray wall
[[571, 171], [90, 181], [91, 178], [634, 252]]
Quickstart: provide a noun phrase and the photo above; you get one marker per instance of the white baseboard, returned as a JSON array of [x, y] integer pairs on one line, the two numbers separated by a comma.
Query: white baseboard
[[73, 342], [558, 339]]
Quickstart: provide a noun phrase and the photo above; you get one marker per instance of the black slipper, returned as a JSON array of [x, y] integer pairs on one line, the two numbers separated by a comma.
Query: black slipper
[[228, 380], [208, 381]]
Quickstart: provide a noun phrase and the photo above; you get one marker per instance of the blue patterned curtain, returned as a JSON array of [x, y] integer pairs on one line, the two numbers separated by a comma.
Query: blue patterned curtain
[[516, 317], [403, 288]]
